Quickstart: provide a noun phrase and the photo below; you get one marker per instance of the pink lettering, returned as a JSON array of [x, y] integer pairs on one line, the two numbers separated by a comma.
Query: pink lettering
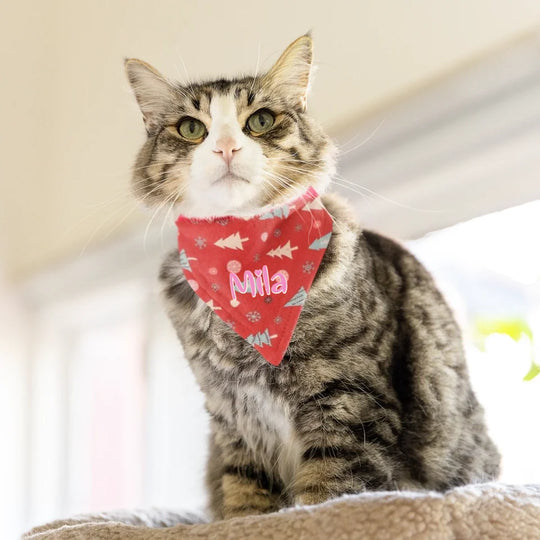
[[280, 287], [266, 279], [248, 285], [258, 282]]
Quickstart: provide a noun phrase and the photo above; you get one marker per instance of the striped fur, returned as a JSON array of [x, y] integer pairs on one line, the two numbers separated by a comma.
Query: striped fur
[[373, 392]]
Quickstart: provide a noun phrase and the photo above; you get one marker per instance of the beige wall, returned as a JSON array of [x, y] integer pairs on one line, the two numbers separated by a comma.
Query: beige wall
[[70, 128]]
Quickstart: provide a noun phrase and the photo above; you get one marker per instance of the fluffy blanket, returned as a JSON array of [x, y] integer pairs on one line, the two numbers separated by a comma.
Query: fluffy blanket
[[483, 511]]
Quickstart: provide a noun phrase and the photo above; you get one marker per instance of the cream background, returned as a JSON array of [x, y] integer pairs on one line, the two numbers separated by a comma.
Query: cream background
[[71, 128]]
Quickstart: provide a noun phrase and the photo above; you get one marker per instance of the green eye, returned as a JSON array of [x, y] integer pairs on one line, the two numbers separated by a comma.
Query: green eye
[[260, 122], [191, 129]]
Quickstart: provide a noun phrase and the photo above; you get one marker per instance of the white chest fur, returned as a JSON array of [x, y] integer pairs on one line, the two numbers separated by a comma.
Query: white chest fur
[[265, 424]]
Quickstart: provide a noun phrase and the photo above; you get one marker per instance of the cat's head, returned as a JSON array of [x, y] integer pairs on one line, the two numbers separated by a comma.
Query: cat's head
[[230, 147]]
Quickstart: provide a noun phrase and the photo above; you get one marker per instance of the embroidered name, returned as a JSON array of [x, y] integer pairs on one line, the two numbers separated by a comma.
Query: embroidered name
[[258, 282]]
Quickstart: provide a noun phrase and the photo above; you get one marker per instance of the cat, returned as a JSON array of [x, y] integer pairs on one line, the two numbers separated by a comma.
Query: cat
[[373, 392]]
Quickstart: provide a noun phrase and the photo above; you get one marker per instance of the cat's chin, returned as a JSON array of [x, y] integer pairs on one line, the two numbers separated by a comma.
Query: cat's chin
[[226, 196], [230, 179]]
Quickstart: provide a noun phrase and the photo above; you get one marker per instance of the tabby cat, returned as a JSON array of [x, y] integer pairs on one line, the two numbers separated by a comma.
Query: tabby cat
[[373, 392]]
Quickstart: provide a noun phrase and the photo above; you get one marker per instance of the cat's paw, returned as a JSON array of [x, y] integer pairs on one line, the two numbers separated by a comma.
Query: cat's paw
[[310, 498], [238, 513]]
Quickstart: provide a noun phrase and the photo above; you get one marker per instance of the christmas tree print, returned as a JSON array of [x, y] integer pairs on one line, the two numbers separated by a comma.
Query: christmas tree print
[[315, 204], [260, 338], [234, 241], [298, 299], [184, 261], [280, 212], [283, 251], [322, 242]]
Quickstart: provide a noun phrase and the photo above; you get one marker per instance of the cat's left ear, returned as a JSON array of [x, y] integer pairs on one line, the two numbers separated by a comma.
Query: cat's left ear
[[153, 92], [292, 72]]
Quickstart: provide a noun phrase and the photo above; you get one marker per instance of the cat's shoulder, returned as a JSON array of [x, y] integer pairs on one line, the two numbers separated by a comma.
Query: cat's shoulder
[[346, 220], [367, 245]]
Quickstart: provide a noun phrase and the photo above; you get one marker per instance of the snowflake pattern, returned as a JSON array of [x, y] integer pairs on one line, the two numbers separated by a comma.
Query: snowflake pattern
[[200, 242], [253, 316], [298, 227], [257, 257], [268, 300], [308, 266], [278, 319], [215, 287], [277, 233]]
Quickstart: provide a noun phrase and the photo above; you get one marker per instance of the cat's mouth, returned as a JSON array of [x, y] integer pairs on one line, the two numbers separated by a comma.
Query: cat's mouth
[[229, 179]]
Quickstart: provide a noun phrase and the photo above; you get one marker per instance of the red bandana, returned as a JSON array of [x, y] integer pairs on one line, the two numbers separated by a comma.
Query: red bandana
[[255, 273]]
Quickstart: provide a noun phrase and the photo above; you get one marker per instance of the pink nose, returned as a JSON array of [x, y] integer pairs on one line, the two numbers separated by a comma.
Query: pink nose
[[226, 147]]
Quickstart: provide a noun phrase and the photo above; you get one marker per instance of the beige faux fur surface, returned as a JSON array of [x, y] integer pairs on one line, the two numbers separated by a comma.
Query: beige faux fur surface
[[483, 511]]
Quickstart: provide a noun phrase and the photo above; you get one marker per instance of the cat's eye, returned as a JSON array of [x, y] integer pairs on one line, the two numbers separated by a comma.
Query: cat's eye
[[260, 122], [191, 129]]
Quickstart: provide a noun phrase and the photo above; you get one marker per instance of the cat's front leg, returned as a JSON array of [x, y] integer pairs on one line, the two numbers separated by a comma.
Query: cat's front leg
[[342, 454], [246, 488], [322, 478]]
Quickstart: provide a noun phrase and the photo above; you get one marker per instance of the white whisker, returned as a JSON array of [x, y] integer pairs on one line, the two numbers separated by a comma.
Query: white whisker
[[363, 142]]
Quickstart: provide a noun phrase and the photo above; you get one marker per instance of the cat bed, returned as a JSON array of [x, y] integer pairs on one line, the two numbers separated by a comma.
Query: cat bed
[[494, 511]]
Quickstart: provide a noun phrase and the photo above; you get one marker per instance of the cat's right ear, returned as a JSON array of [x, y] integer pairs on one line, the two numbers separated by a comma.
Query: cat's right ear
[[152, 90]]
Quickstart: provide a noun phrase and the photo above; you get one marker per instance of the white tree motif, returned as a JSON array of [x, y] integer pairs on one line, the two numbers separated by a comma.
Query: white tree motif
[[283, 251], [234, 241]]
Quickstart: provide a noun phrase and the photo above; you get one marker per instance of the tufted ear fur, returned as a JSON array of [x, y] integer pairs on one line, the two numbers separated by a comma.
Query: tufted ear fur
[[293, 69], [152, 91]]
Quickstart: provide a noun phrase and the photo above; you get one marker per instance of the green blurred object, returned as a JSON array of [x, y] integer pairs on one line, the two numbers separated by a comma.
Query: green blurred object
[[533, 372], [513, 328]]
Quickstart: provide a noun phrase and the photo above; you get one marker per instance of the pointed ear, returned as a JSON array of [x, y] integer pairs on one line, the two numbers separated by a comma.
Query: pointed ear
[[293, 69], [152, 91]]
